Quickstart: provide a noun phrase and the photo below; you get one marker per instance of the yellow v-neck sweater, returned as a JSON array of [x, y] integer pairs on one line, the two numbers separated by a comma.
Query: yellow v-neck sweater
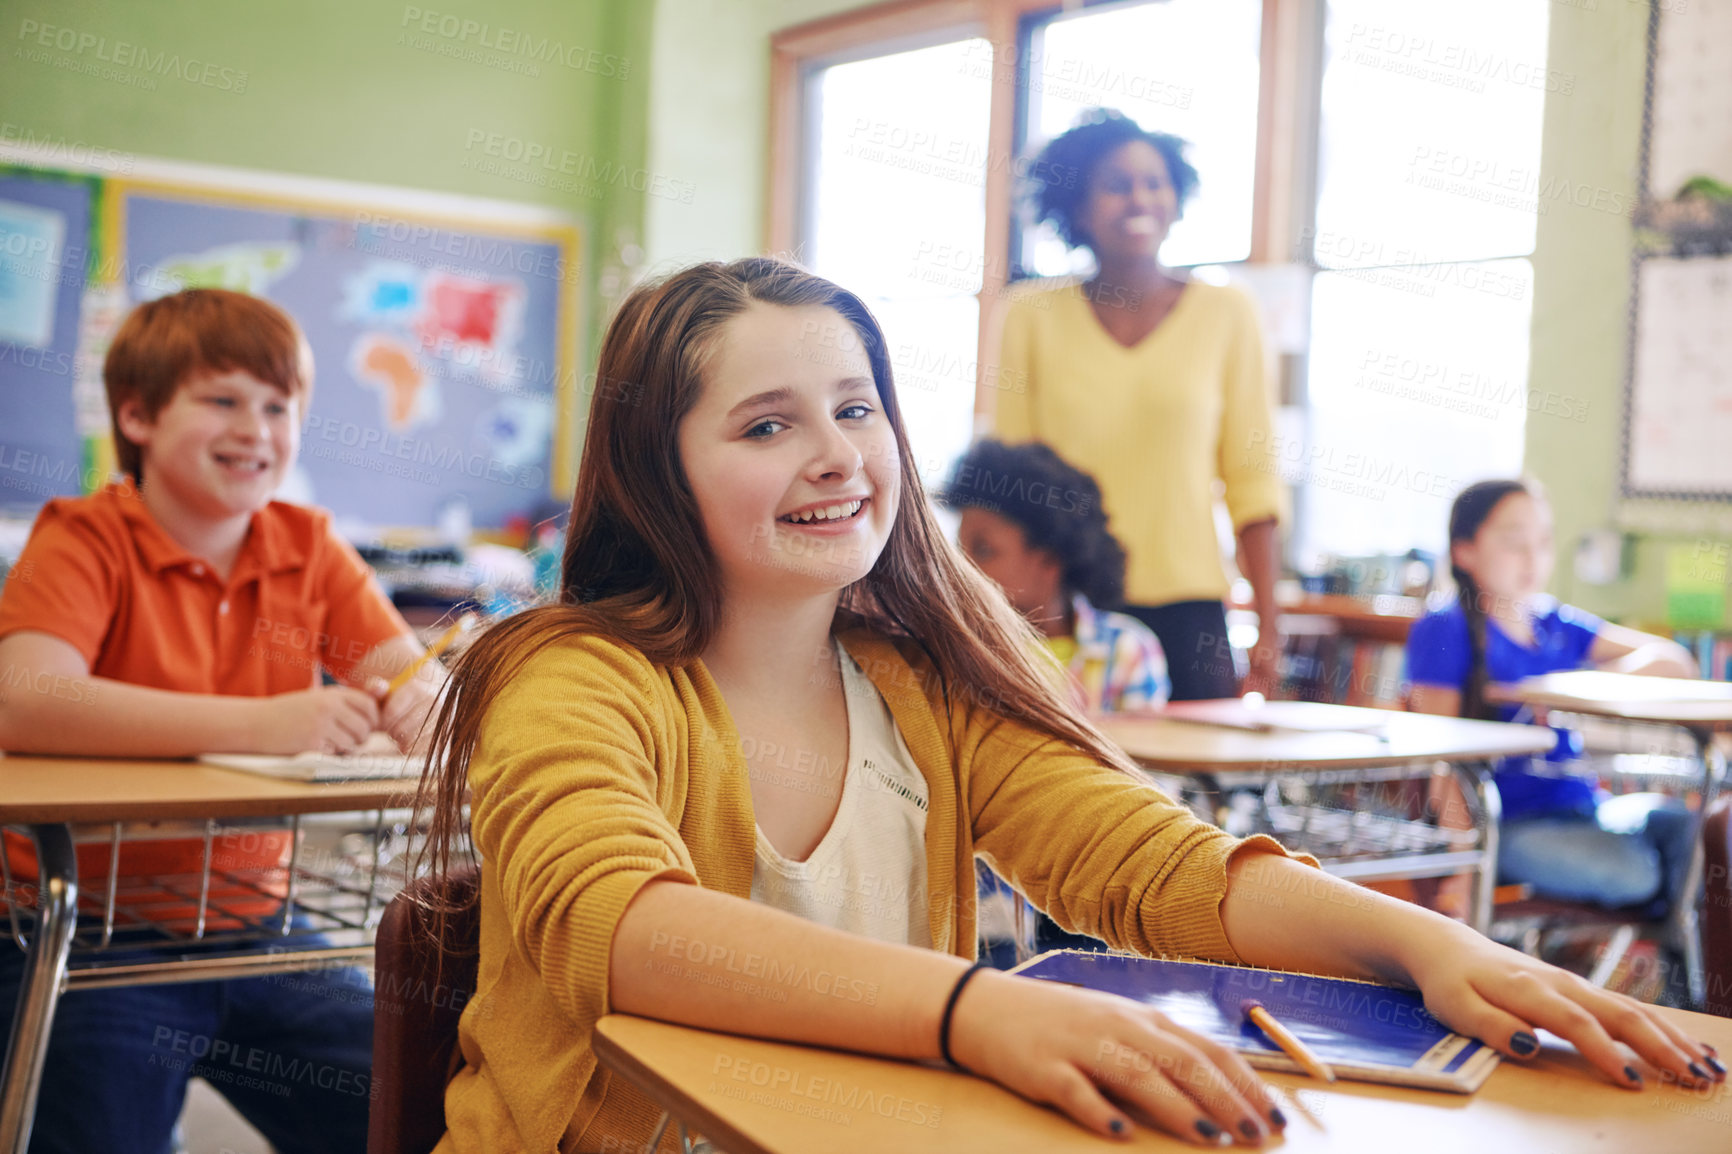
[[1156, 424], [598, 771]]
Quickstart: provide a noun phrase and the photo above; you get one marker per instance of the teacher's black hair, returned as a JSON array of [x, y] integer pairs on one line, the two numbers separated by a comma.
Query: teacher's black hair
[[1056, 183]]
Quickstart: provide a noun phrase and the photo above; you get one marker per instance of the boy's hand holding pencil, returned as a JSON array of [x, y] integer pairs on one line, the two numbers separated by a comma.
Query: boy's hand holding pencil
[[409, 699]]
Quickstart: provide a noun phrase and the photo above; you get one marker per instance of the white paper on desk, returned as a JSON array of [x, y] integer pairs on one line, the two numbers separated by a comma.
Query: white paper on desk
[[1295, 716], [376, 758], [1629, 687]]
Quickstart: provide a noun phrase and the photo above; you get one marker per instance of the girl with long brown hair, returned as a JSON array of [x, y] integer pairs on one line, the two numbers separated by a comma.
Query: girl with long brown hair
[[1558, 835], [738, 776]]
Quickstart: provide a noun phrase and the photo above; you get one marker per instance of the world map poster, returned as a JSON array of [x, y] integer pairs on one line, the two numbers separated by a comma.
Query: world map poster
[[437, 349]]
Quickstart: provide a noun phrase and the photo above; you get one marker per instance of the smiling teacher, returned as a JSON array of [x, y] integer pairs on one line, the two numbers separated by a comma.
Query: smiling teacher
[[1157, 384]]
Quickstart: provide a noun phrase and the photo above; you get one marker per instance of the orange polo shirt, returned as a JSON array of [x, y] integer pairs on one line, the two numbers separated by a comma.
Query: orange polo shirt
[[102, 575]]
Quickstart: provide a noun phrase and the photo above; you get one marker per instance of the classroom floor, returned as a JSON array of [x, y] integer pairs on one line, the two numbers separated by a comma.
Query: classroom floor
[[209, 1125]]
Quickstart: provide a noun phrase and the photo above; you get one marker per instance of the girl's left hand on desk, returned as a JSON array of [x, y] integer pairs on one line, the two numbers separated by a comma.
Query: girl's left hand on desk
[[1500, 996]]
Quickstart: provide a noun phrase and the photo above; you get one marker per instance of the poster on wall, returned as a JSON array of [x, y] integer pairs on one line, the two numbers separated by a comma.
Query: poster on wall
[[32, 240], [45, 223], [440, 351]]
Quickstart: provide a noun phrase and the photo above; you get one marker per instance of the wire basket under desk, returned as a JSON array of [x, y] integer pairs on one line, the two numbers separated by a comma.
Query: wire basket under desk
[[319, 907], [1363, 825]]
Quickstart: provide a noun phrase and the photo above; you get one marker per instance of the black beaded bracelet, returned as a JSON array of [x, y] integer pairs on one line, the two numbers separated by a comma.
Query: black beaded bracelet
[[949, 1012]]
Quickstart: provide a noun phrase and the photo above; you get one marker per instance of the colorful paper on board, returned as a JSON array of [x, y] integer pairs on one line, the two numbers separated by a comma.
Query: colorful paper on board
[[384, 363], [1695, 589], [244, 268], [31, 240]]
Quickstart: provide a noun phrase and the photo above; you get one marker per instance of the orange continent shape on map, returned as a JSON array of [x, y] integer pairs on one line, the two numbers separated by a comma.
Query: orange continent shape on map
[[393, 368]]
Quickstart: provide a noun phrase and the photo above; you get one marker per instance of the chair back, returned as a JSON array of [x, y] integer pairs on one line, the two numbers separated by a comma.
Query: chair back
[[1716, 919], [420, 990]]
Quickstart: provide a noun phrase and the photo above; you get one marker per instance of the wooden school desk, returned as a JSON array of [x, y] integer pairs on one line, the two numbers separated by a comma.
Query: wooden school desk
[[48, 794], [1701, 709], [1212, 758], [756, 1097]]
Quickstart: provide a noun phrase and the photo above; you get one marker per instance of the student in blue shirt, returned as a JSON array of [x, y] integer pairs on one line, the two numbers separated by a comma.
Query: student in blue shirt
[[1557, 834]]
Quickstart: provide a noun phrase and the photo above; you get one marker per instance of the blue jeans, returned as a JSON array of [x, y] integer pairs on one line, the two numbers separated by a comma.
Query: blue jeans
[[293, 1053], [1633, 850]]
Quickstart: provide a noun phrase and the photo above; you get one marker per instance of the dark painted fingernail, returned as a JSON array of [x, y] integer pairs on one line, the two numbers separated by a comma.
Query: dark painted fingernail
[[1632, 1075], [1524, 1044], [1276, 1116], [1711, 1050], [1208, 1129], [1249, 1129], [1117, 1125], [1697, 1071], [1716, 1065]]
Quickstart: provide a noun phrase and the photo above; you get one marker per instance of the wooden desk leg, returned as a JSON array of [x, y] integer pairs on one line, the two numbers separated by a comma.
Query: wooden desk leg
[[1681, 924], [1477, 777], [39, 990]]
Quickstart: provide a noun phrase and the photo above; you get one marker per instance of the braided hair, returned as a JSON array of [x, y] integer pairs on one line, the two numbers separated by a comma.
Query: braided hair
[[1472, 507]]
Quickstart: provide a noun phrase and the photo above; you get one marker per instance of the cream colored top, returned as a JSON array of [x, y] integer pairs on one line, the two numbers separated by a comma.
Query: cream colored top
[[868, 874], [599, 771]]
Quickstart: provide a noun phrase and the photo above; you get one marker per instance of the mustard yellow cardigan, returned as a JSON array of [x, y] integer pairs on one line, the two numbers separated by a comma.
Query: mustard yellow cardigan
[[598, 771]]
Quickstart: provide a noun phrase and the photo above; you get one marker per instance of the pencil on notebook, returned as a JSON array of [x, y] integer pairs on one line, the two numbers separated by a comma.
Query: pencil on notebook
[[1286, 1039], [440, 645]]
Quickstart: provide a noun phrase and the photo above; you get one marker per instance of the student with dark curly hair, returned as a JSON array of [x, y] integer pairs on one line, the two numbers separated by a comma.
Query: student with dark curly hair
[[1034, 524], [1157, 381]]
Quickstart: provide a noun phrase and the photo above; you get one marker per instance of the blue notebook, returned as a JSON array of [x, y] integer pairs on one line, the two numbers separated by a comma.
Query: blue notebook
[[1367, 1032]]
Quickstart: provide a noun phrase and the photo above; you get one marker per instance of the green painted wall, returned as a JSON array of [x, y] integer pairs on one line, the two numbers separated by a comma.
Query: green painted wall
[[709, 107], [366, 90], [676, 92], [1581, 276], [1581, 297]]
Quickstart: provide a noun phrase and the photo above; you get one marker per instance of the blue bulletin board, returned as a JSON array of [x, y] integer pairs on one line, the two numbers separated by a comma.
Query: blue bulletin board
[[438, 347], [444, 346], [46, 225]]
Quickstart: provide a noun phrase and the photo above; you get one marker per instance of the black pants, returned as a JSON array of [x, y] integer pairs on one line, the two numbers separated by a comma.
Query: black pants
[[1194, 636]]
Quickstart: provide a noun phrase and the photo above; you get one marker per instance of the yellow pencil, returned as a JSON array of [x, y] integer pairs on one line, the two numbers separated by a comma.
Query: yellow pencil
[[1284, 1038], [439, 646]]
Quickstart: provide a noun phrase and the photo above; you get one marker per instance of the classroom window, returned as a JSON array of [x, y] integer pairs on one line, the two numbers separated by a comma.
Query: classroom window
[[895, 211], [1188, 67], [1411, 193], [1427, 197]]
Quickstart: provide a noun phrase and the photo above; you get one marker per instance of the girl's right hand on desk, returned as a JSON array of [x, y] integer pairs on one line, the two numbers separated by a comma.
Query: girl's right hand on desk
[[329, 719], [1494, 993], [1085, 1052]]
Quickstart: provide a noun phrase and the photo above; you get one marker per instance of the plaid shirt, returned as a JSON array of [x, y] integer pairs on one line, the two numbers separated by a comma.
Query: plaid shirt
[[1118, 665]]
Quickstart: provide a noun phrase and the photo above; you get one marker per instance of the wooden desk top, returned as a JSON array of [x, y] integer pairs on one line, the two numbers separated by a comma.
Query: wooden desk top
[[1172, 746], [1627, 696], [756, 1097], [75, 789]]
